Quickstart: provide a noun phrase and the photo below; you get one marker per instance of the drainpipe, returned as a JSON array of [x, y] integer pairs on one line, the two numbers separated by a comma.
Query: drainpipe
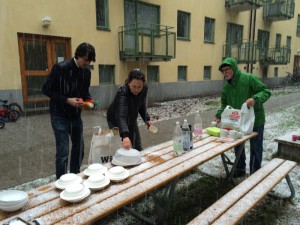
[[253, 37]]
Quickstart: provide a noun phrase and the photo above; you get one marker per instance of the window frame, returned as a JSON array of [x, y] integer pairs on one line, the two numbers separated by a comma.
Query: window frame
[[181, 69], [154, 69], [106, 15], [298, 27], [187, 29], [205, 69], [209, 29], [101, 67]]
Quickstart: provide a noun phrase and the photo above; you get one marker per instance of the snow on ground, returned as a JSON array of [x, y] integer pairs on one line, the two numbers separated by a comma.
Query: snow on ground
[[277, 122]]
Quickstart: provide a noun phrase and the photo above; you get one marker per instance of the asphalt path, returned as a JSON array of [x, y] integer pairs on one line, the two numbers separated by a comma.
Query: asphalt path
[[28, 145]]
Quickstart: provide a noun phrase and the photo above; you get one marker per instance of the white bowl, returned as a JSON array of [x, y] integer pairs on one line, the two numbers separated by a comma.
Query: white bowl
[[12, 196], [97, 182], [13, 207], [117, 173], [67, 180], [76, 194], [74, 190], [95, 168], [124, 157]]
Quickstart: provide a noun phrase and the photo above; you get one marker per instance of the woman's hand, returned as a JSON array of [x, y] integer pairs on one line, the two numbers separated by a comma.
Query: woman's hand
[[126, 143]]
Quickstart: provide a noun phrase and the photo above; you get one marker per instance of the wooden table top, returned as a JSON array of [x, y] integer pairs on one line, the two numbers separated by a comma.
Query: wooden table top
[[159, 166]]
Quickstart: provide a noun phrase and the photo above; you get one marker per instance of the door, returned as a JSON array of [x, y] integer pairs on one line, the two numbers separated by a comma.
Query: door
[[38, 54]]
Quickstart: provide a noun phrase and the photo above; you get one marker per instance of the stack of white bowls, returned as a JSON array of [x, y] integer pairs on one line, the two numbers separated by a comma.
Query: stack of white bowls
[[12, 200], [97, 182], [117, 173], [67, 180], [95, 169], [75, 193]]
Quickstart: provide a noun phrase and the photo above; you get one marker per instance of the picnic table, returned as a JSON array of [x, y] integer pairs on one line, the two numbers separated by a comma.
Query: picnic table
[[288, 147], [159, 167]]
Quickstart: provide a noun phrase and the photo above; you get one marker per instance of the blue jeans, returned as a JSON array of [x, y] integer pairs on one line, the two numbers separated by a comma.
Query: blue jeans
[[256, 152], [63, 128]]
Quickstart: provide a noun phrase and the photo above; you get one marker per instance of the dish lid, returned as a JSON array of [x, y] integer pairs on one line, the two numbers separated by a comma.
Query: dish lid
[[124, 157]]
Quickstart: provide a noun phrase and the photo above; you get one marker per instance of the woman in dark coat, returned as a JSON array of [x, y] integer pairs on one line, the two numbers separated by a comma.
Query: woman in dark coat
[[130, 101]]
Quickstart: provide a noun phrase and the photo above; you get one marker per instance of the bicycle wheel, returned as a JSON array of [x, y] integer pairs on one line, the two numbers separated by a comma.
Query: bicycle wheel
[[2, 124], [13, 115], [17, 107]]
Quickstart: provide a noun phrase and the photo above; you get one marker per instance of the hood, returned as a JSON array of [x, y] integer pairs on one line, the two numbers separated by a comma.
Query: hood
[[232, 63]]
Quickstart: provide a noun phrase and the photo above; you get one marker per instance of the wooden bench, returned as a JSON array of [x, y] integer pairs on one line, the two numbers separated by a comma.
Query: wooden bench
[[232, 207], [288, 147]]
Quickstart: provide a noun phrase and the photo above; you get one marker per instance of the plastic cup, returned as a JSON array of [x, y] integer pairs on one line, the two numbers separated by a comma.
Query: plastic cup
[[294, 137]]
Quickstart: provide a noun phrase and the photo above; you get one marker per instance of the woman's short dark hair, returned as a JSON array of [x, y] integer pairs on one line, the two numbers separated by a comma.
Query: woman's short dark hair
[[135, 74], [86, 49]]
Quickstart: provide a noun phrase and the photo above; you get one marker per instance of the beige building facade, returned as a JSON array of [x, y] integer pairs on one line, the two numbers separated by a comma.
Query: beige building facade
[[179, 44]]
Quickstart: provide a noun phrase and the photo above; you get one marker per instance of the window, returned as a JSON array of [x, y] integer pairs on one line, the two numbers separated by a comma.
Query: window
[[278, 41], [288, 42], [207, 72], [276, 72], [234, 33], [209, 30], [298, 26], [144, 16], [183, 25], [263, 43], [182, 73], [152, 74], [102, 14], [107, 74]]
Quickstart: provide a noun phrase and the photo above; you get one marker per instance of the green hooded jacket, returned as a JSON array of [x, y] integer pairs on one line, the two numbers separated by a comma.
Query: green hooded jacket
[[241, 87]]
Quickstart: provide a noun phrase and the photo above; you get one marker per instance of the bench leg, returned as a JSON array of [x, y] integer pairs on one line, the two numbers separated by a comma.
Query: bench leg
[[289, 182], [162, 205]]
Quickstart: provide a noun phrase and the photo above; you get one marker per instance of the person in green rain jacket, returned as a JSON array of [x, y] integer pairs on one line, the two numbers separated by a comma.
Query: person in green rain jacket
[[242, 87]]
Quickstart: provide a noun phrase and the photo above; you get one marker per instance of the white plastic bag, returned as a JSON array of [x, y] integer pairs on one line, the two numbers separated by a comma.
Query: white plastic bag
[[104, 147], [247, 119], [238, 119], [230, 118]]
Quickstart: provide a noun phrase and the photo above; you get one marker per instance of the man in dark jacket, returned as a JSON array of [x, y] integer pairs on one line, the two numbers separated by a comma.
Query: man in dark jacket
[[130, 101], [67, 86], [245, 88]]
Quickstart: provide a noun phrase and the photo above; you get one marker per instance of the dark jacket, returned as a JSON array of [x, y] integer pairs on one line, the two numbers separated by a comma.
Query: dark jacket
[[241, 87], [124, 110], [67, 80]]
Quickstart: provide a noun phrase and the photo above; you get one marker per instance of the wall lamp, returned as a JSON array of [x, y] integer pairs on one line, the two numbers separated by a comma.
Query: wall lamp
[[46, 21]]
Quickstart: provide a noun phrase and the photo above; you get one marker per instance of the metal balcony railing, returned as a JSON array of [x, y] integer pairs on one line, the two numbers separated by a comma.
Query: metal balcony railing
[[243, 5], [278, 10], [147, 41], [274, 55], [245, 52]]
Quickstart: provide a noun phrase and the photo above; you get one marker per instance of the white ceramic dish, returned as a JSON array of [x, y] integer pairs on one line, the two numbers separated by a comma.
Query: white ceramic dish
[[12, 196], [118, 163], [95, 168], [13, 207], [60, 184], [124, 157], [96, 184], [118, 173], [71, 196]]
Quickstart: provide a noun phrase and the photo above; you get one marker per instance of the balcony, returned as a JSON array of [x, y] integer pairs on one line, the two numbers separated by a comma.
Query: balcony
[[274, 55], [279, 10], [245, 52], [243, 5], [144, 41]]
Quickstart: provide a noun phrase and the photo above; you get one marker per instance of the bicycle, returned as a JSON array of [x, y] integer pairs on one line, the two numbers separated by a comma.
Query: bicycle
[[12, 106], [2, 123], [7, 114], [291, 78]]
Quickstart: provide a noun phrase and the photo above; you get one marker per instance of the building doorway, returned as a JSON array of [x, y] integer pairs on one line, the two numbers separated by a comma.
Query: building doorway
[[38, 54]]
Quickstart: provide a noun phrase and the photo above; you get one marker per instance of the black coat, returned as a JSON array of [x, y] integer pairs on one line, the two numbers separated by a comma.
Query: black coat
[[67, 80], [124, 110]]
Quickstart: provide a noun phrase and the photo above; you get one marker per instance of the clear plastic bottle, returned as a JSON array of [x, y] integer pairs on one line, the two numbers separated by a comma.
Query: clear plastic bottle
[[186, 135], [198, 126], [177, 140]]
